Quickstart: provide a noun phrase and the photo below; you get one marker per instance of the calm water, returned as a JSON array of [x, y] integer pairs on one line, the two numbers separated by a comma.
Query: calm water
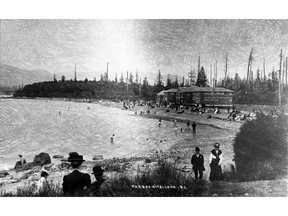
[[59, 127]]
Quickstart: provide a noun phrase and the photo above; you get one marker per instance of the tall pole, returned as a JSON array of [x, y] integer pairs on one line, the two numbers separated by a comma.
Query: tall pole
[[211, 81], [75, 77], [127, 81], [283, 73], [226, 68], [264, 68], [107, 70], [140, 86], [286, 69], [279, 81], [216, 74], [199, 64]]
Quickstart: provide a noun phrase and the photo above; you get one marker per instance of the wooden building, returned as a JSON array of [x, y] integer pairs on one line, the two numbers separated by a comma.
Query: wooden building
[[169, 97], [199, 96], [160, 97]]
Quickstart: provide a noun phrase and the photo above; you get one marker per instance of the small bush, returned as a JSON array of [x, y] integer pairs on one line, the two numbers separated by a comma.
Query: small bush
[[261, 148]]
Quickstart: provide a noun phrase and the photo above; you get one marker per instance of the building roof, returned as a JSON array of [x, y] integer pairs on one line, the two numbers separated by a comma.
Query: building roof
[[188, 89], [200, 89], [215, 89], [171, 90], [161, 93]]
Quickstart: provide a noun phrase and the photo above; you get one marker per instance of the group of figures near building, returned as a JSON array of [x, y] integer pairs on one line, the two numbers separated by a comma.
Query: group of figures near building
[[215, 160]]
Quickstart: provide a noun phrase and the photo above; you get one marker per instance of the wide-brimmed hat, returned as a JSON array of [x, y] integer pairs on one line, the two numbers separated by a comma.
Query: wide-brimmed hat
[[75, 157], [216, 145], [197, 149], [19, 155], [97, 170]]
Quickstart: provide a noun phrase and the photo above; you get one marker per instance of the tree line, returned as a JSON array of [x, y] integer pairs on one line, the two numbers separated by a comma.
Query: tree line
[[262, 90]]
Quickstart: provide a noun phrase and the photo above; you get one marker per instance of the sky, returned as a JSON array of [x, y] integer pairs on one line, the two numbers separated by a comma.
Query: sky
[[143, 45]]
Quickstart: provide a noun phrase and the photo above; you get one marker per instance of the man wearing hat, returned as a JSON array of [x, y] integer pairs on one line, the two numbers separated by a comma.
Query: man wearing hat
[[215, 160], [197, 162], [76, 181], [102, 185]]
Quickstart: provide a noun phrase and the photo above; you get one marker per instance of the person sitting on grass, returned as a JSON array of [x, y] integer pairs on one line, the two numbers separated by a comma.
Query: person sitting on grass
[[76, 181], [102, 185], [43, 180], [21, 162]]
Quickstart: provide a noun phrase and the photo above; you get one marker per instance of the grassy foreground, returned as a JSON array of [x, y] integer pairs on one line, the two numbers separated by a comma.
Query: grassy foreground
[[164, 181]]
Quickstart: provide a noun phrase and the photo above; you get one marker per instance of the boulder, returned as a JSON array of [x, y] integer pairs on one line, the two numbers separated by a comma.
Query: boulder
[[3, 174], [58, 156], [98, 157], [228, 168], [42, 159]]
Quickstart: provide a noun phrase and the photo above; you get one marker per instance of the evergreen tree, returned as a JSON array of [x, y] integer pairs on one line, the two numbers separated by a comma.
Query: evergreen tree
[[55, 80], [145, 88], [86, 80], [116, 79], [159, 82], [131, 78], [201, 78], [63, 78], [136, 78], [168, 82], [101, 78], [121, 78], [175, 84]]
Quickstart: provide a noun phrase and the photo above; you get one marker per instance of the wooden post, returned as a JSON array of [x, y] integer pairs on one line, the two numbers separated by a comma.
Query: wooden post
[[107, 71], [226, 68], [199, 64], [286, 69], [264, 68], [279, 81], [127, 81], [211, 81], [216, 75]]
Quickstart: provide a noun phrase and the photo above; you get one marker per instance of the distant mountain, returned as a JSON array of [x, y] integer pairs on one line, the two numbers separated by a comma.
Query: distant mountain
[[12, 76]]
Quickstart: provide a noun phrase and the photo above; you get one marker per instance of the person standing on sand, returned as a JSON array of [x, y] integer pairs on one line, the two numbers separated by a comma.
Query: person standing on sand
[[159, 123], [194, 128], [76, 181], [215, 160], [197, 162]]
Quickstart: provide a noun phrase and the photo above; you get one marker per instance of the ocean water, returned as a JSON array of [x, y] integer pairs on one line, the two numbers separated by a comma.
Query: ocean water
[[29, 127]]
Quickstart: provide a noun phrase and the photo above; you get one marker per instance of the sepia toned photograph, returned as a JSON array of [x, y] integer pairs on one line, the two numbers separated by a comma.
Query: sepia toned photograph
[[143, 107]]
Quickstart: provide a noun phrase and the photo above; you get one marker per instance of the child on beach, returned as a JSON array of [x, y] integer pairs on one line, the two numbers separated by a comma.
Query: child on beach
[[159, 123]]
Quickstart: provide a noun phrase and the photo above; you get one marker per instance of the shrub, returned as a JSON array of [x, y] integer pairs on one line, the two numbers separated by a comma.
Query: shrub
[[261, 148]]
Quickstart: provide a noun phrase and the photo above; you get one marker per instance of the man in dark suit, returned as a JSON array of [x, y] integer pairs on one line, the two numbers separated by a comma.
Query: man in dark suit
[[76, 181], [198, 163]]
